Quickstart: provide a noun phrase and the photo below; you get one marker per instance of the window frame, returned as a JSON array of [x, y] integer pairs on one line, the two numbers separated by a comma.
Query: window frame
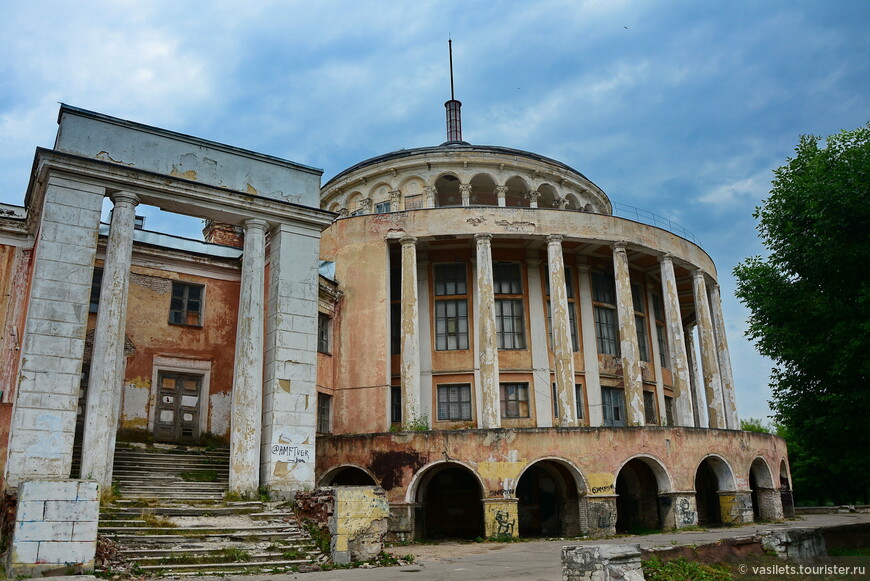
[[661, 331], [514, 404], [450, 289], [650, 411], [640, 321], [324, 413], [465, 398], [395, 404], [579, 399], [572, 308], [96, 289], [324, 333], [509, 306], [613, 400], [185, 311], [605, 314]]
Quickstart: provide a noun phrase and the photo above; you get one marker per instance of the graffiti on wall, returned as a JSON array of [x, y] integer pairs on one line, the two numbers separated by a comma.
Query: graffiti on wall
[[505, 523]]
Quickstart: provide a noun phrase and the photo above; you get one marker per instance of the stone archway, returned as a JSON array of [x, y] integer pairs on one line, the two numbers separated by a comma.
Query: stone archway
[[766, 504], [348, 476], [548, 502], [637, 501], [449, 498]]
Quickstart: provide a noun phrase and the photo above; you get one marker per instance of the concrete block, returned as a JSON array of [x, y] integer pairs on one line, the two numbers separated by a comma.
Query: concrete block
[[43, 531], [45, 363], [60, 213], [30, 510], [24, 552], [84, 531], [71, 510], [49, 490], [67, 552], [89, 490]]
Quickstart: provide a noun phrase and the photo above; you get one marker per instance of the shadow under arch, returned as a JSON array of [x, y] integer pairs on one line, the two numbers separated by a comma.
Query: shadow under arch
[[449, 502], [549, 494], [785, 493], [348, 475], [712, 476], [639, 482], [762, 490]]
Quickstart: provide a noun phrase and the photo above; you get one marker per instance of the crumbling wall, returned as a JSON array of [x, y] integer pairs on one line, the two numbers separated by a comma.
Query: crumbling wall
[[602, 563]]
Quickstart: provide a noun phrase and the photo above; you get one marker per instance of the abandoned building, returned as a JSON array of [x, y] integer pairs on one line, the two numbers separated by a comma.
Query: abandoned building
[[470, 328]]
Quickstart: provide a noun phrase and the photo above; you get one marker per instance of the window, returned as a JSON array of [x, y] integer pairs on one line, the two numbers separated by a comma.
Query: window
[[572, 309], [324, 405], [661, 332], [649, 408], [454, 402], [613, 405], [96, 284], [510, 321], [578, 399], [323, 331], [395, 311], [185, 307], [604, 306], [669, 410], [395, 404], [640, 320], [382, 207], [451, 315], [514, 400]]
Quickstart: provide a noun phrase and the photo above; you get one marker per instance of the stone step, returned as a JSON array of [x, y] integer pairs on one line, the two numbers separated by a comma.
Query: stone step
[[243, 536], [140, 555], [196, 529], [183, 511], [176, 486], [222, 568], [271, 515]]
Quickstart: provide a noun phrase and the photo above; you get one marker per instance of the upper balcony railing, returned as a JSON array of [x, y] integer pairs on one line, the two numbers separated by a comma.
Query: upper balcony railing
[[647, 217]]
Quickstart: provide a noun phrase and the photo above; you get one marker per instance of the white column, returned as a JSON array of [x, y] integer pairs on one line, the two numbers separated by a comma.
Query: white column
[[431, 193], [709, 359], [42, 427], [696, 388], [533, 198], [465, 191], [630, 351], [657, 358], [425, 334], [290, 373], [679, 358], [591, 372], [107, 366], [725, 371], [488, 347], [501, 192], [410, 356], [247, 397], [563, 352], [538, 345], [395, 200]]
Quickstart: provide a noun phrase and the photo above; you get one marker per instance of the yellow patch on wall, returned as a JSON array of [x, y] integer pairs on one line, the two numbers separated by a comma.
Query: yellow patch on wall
[[500, 470], [601, 483]]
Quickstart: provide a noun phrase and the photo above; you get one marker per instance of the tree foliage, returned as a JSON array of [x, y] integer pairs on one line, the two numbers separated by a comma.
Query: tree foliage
[[810, 311]]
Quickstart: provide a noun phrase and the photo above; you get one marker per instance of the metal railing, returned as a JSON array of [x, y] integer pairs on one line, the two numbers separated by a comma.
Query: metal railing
[[647, 217]]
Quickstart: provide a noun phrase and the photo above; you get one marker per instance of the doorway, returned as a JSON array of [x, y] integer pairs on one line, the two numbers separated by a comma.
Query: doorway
[[176, 419]]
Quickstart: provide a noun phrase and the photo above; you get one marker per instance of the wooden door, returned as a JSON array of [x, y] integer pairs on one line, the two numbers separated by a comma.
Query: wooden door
[[177, 414]]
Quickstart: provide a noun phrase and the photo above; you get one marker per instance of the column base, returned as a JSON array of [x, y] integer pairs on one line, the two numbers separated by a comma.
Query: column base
[[736, 507], [601, 511], [500, 517]]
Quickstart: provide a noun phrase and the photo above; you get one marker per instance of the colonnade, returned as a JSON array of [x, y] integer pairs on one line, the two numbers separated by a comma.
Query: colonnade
[[717, 383]]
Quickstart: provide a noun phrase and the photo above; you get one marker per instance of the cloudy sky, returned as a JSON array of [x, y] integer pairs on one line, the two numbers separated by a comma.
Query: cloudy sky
[[679, 107]]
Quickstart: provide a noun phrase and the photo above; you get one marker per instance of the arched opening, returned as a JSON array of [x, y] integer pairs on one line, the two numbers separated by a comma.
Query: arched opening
[[483, 191], [447, 191], [450, 503], [349, 476], [785, 491], [572, 202], [548, 501], [516, 197], [637, 500], [548, 198], [763, 492], [712, 476]]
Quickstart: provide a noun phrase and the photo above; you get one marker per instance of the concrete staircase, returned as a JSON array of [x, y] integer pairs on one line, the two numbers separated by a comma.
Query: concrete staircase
[[172, 519]]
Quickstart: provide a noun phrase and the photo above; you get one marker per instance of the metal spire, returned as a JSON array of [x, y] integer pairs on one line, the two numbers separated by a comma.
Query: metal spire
[[454, 119]]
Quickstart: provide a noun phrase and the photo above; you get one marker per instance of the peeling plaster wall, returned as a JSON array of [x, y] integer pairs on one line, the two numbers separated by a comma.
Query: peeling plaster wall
[[148, 148], [499, 456]]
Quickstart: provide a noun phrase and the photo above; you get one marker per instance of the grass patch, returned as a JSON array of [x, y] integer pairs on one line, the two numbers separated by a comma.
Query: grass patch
[[857, 552], [200, 476], [156, 521], [226, 555], [682, 569]]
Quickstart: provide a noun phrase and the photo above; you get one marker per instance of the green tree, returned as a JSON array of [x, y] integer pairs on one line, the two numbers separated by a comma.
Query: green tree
[[810, 311]]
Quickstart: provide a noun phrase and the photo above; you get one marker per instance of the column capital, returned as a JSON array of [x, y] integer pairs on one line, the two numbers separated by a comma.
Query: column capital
[[430, 190], [482, 236], [465, 188], [667, 257], [697, 273], [501, 190], [555, 239], [533, 194], [408, 241], [255, 224], [124, 198], [583, 267], [395, 195], [343, 212], [620, 246]]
